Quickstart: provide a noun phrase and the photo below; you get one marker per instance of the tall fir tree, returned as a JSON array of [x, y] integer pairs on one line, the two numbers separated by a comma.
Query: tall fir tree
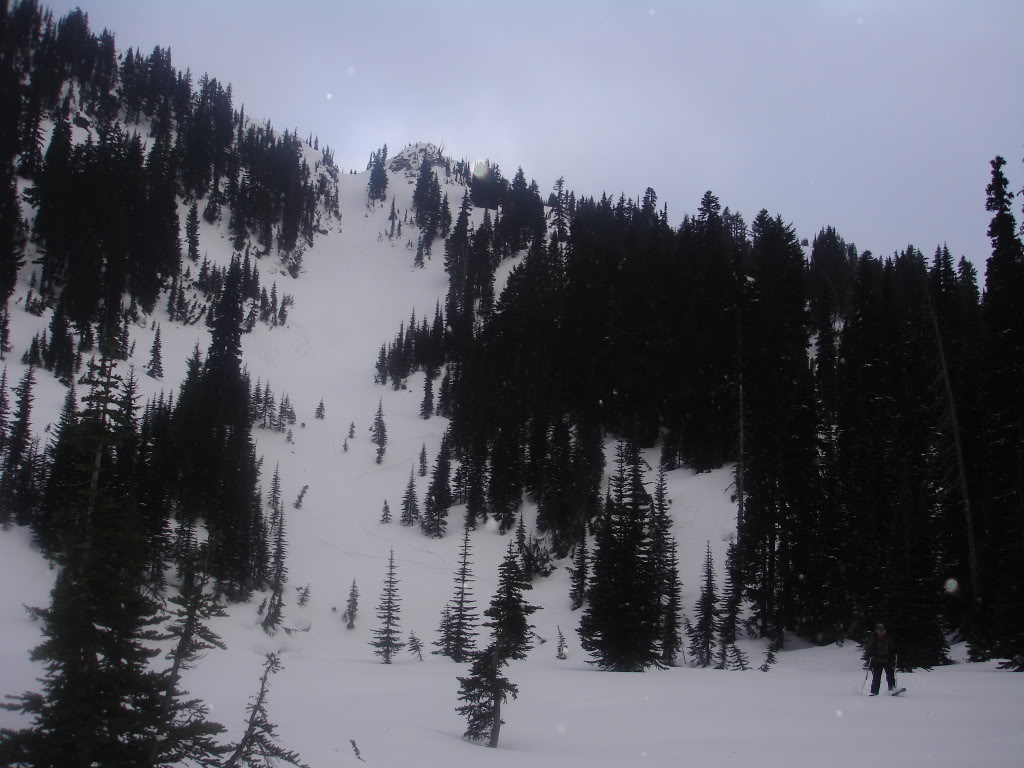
[[379, 432], [706, 611], [484, 690], [386, 642]]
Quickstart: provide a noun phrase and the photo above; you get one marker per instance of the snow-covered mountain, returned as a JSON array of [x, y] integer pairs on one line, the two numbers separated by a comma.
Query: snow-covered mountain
[[355, 286]]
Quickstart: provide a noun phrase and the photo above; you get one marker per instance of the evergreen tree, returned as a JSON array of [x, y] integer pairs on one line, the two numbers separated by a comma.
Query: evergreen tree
[[439, 496], [415, 645], [702, 638], [278, 566], [101, 701], [184, 733], [423, 460], [462, 618], [410, 506], [386, 642], [560, 650], [620, 624], [192, 232], [484, 690], [379, 432], [352, 606], [729, 655], [427, 406], [377, 186], [385, 513], [578, 576], [15, 461], [320, 410], [156, 366], [258, 746]]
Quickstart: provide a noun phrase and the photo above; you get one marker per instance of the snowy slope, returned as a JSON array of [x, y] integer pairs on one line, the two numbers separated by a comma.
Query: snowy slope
[[356, 288]]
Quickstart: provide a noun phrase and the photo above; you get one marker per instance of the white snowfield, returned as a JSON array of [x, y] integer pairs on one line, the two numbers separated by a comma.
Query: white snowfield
[[807, 712]]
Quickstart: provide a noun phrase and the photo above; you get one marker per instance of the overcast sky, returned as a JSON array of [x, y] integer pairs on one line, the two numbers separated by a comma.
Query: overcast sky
[[878, 117]]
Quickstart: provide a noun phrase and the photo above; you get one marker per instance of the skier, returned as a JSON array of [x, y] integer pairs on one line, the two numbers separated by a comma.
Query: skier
[[880, 652]]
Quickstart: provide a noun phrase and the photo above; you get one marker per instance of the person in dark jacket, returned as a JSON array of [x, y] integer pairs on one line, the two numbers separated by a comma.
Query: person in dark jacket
[[881, 654]]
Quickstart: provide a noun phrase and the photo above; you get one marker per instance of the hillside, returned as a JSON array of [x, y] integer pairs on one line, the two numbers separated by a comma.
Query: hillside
[[750, 439], [353, 290]]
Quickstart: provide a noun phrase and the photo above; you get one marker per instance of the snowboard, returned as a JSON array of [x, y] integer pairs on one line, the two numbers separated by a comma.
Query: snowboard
[[898, 692]]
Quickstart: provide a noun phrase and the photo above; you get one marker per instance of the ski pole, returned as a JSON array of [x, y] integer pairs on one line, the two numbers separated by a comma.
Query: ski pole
[[866, 673]]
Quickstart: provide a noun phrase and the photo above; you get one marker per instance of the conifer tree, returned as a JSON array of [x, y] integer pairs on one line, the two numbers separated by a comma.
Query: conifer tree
[[278, 567], [320, 410], [444, 632], [729, 655], [439, 496], [672, 607], [352, 606], [560, 649], [462, 614], [156, 366], [192, 232], [620, 624], [258, 746], [386, 642], [410, 506], [702, 638], [427, 406], [101, 701], [379, 432], [14, 463], [484, 690], [415, 645], [578, 576], [184, 733], [385, 513], [423, 460]]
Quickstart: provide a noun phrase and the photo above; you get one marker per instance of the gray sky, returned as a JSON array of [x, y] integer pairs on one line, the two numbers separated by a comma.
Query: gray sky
[[878, 117]]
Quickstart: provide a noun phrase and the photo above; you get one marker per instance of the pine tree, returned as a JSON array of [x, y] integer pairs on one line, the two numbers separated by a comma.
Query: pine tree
[[379, 432], [352, 606], [184, 733], [385, 513], [702, 639], [386, 642], [620, 624], [560, 650], [258, 746], [462, 615], [192, 232], [278, 568], [578, 576], [427, 406], [351, 430], [439, 496], [101, 701], [410, 506], [15, 461], [423, 460], [320, 410], [484, 690], [444, 631], [156, 366], [729, 655], [672, 607], [415, 645]]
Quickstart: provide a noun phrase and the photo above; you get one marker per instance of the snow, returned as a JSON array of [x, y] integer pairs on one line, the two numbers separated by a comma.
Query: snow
[[354, 291]]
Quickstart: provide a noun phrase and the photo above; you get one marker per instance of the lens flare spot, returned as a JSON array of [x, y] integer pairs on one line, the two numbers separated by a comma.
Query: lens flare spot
[[329, 96], [839, 713], [952, 586], [480, 169]]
